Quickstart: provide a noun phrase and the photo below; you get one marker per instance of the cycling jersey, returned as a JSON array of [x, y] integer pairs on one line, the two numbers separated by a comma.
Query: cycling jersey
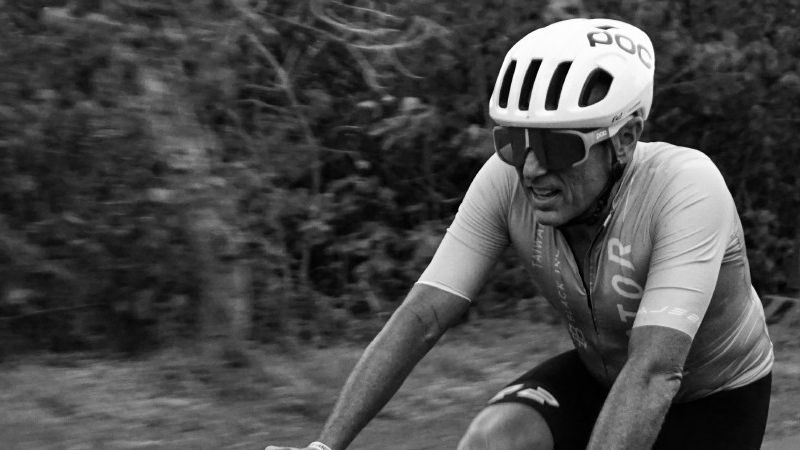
[[670, 253]]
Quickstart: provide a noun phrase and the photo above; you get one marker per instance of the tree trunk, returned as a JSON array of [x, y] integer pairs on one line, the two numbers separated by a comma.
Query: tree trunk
[[187, 148]]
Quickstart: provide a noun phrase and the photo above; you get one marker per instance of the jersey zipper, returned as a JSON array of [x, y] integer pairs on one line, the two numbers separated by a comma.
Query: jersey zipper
[[588, 283], [586, 277]]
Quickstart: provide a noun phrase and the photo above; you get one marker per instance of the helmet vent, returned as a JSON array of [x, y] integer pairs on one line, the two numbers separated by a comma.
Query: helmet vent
[[556, 84], [527, 84], [505, 88], [596, 87]]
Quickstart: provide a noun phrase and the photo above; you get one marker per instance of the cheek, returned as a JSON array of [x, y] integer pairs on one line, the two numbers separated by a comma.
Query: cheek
[[585, 184]]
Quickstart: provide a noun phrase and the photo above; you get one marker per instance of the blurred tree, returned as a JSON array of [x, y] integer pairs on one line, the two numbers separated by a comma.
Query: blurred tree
[[296, 163]]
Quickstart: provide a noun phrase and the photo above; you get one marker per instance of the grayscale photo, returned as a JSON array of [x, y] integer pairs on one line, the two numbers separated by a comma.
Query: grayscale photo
[[401, 225]]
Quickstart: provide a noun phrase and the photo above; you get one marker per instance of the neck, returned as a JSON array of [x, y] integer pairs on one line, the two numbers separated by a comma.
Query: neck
[[581, 234], [586, 226], [594, 216]]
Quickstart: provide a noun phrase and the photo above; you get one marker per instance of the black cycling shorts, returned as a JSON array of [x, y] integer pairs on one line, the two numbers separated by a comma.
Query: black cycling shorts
[[733, 419]]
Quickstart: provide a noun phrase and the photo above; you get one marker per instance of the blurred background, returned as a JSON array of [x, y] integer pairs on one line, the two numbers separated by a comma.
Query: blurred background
[[209, 203]]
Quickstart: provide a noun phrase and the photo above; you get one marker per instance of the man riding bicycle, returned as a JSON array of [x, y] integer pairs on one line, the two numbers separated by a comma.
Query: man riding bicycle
[[638, 246]]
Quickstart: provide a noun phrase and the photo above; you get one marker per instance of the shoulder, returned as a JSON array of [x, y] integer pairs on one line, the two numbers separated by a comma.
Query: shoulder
[[493, 185], [666, 167], [669, 159], [683, 185], [496, 173], [483, 214]]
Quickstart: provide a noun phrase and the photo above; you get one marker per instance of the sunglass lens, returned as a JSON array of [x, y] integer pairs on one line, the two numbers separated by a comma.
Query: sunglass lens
[[553, 150], [561, 150], [509, 143]]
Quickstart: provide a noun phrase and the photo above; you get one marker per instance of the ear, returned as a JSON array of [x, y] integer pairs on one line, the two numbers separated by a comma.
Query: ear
[[625, 140]]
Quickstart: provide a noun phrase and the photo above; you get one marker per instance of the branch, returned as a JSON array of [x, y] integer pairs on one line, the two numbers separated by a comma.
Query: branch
[[262, 88], [367, 70], [366, 32], [51, 311], [379, 14], [339, 151], [395, 61], [265, 105], [295, 106], [297, 24], [252, 18], [317, 10], [280, 73]]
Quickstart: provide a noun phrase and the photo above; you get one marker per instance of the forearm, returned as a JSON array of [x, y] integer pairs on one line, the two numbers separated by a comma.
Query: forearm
[[387, 361], [634, 411]]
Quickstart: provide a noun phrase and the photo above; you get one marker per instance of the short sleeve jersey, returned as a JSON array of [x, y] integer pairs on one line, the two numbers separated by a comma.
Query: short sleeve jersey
[[670, 253]]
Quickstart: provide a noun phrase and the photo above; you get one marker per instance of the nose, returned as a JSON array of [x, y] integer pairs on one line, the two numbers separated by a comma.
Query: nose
[[532, 169]]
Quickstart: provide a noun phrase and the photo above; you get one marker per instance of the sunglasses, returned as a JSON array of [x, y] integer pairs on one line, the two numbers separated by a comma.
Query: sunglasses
[[554, 149]]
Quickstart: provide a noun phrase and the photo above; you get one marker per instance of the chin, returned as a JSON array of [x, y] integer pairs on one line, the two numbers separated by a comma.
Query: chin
[[551, 218]]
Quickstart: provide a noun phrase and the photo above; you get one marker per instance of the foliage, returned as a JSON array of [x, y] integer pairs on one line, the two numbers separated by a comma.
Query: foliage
[[349, 131]]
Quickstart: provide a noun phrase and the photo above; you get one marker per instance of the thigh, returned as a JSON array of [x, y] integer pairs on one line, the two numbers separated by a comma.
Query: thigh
[[730, 420], [563, 392], [508, 426]]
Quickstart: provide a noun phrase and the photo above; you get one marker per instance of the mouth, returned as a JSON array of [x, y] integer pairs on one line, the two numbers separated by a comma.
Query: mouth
[[544, 193]]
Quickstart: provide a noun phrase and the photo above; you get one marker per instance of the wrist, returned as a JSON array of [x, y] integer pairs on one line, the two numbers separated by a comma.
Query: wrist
[[316, 445]]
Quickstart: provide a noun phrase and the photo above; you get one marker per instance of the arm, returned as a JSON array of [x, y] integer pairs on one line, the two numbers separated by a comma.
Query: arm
[[464, 258], [412, 330], [693, 225], [436, 302], [634, 411]]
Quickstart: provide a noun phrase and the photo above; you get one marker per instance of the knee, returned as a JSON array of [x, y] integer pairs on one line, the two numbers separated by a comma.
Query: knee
[[507, 426]]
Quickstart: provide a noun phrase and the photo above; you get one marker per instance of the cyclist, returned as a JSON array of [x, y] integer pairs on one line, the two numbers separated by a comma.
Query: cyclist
[[637, 244]]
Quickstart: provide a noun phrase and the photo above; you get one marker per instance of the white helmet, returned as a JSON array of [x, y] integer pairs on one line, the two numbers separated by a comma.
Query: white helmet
[[577, 73]]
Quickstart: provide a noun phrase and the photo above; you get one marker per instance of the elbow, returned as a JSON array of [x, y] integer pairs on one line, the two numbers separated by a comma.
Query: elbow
[[424, 321], [669, 380], [666, 385], [428, 312], [657, 356], [431, 326], [666, 379]]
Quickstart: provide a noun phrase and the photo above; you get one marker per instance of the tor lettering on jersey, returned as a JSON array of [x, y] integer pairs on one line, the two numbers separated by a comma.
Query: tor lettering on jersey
[[623, 285], [625, 43]]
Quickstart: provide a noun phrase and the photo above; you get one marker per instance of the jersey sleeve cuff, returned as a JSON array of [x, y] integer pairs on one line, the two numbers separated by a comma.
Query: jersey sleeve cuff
[[445, 288]]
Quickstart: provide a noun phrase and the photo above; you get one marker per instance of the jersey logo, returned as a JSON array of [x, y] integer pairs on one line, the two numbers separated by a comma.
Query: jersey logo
[[561, 290], [538, 253], [672, 311], [539, 395]]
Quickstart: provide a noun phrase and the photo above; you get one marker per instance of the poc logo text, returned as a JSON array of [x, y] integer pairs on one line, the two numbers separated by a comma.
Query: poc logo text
[[623, 42]]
